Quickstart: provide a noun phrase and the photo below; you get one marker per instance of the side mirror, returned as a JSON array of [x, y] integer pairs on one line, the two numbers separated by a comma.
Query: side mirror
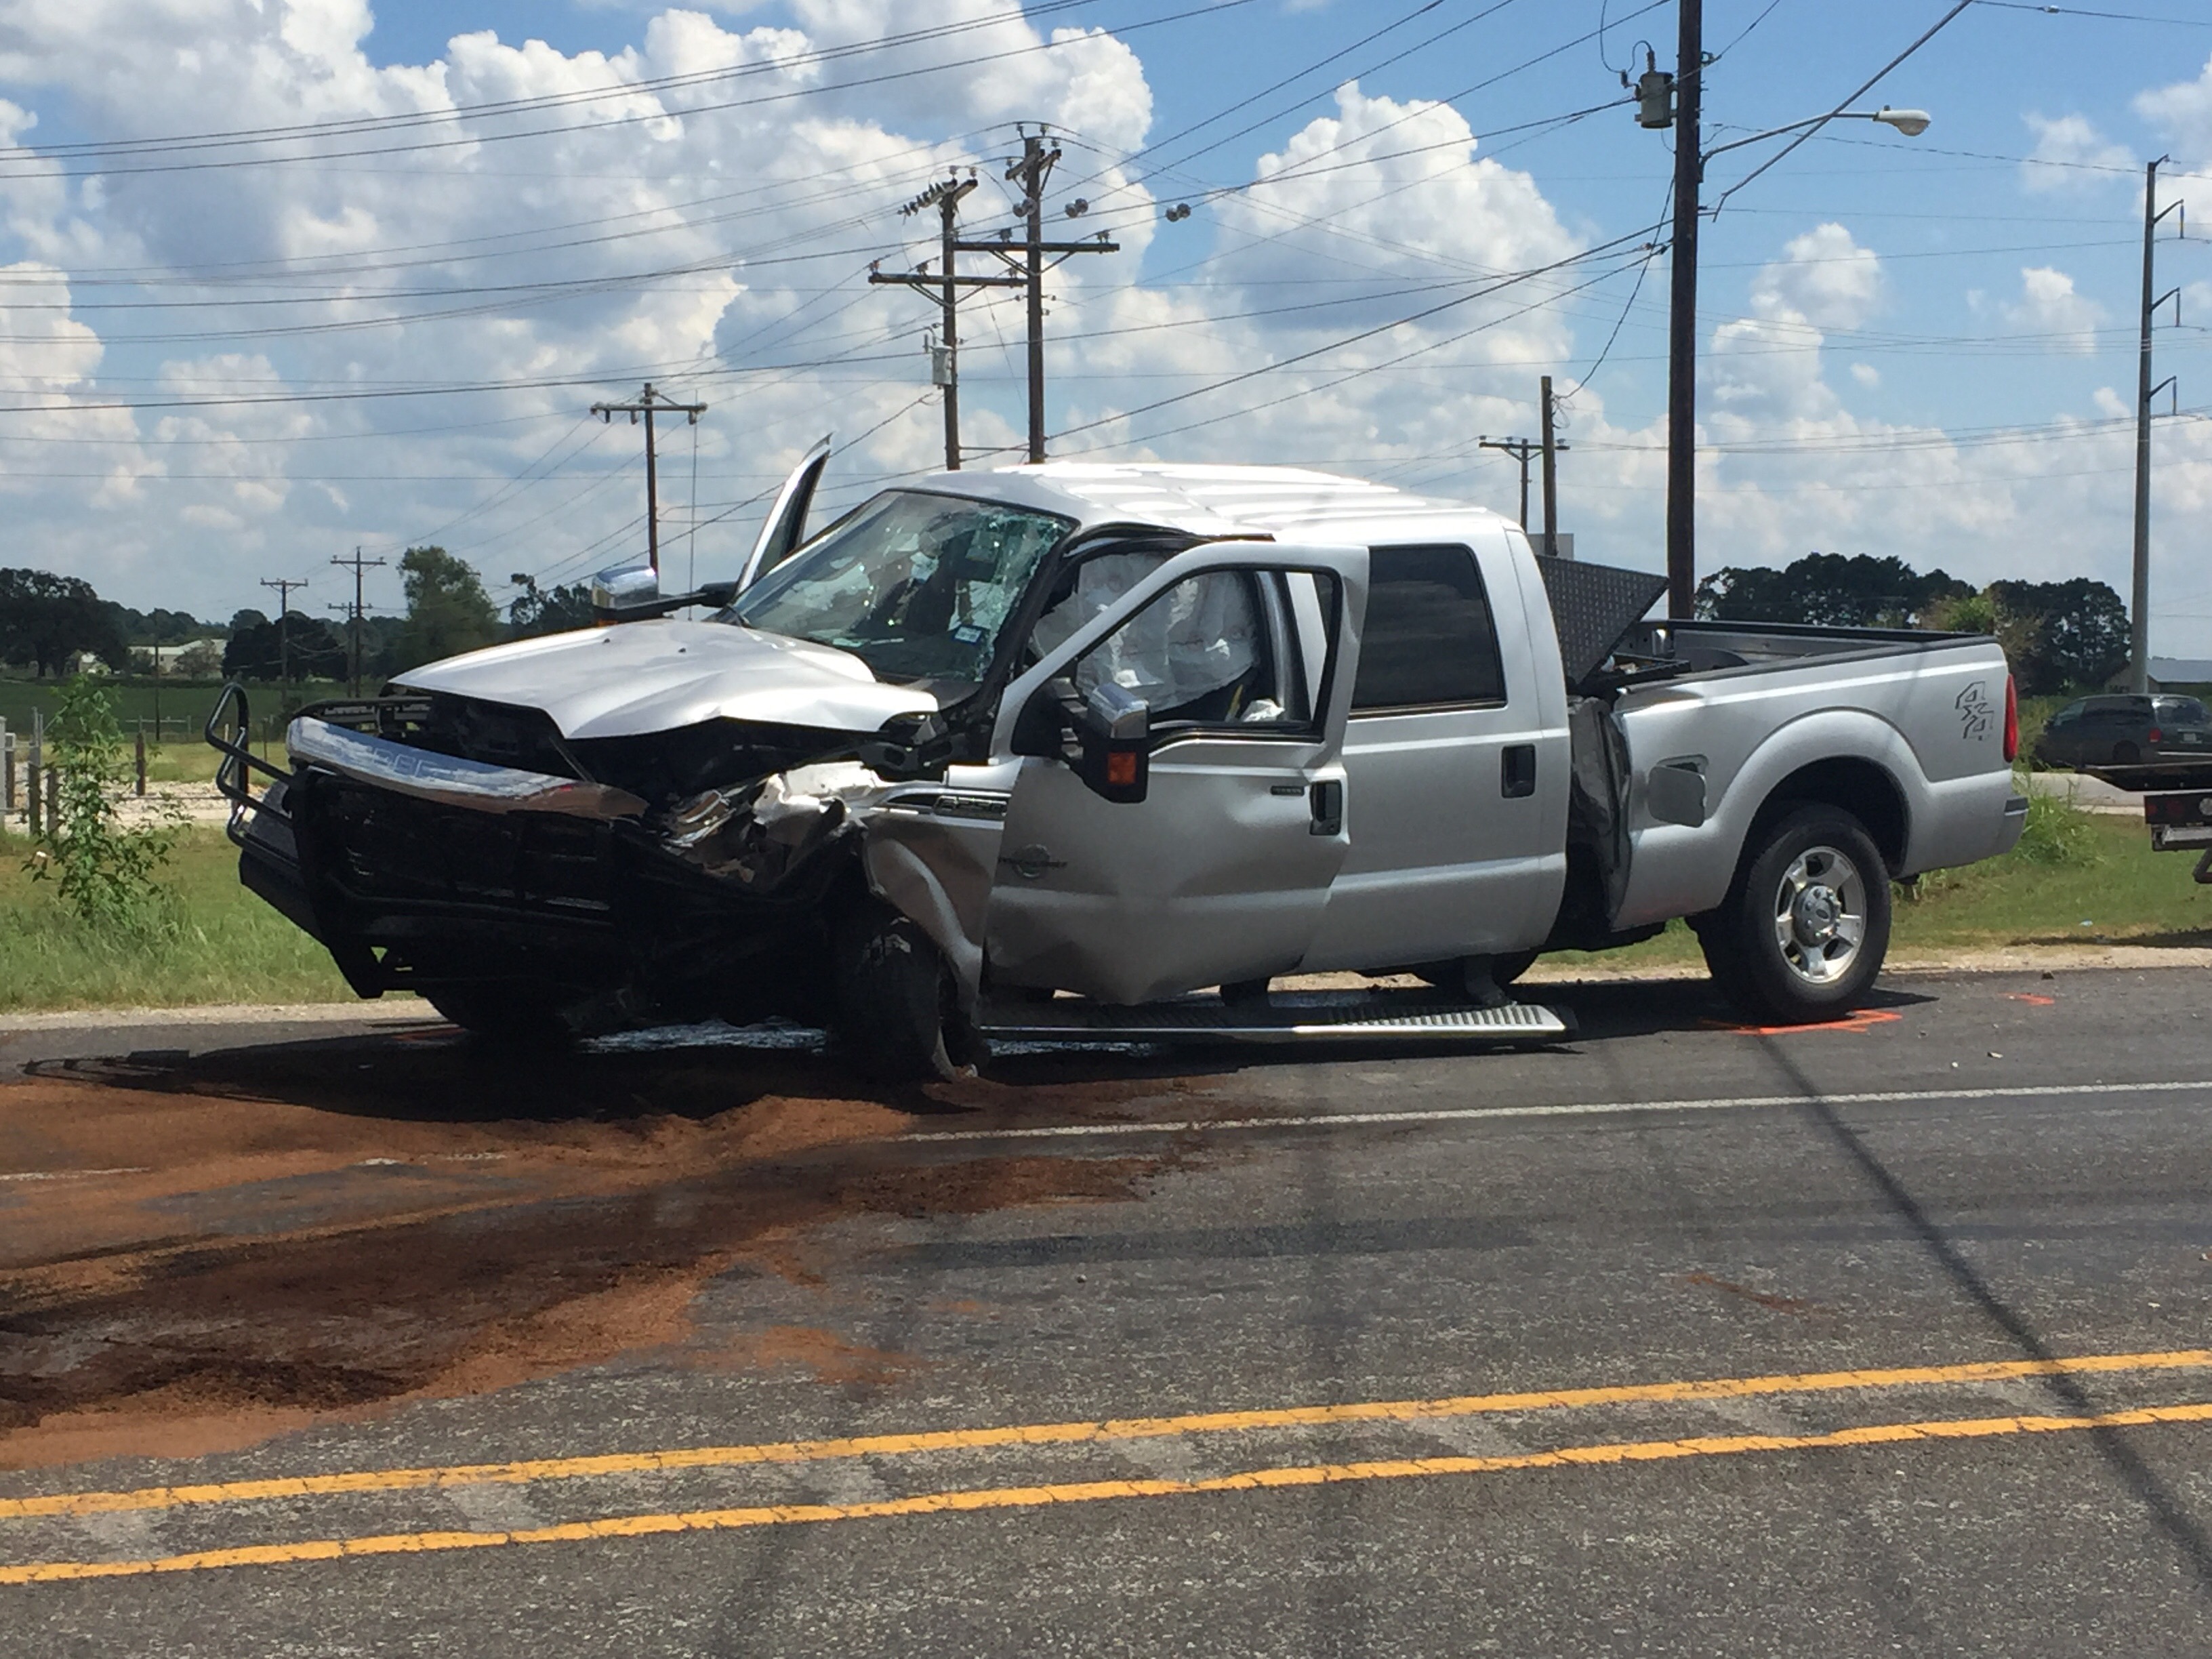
[[1042, 723], [633, 594], [625, 592], [1114, 727]]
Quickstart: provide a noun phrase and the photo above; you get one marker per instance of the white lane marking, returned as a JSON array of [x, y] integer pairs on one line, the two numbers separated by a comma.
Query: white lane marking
[[72, 1174], [1579, 1109]]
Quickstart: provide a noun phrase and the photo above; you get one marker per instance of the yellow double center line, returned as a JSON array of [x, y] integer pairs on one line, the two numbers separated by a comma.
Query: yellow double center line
[[1077, 1433]]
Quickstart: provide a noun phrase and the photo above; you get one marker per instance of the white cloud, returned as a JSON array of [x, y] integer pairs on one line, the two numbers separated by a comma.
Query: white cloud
[[2072, 155], [1767, 366], [1824, 277], [2049, 305], [2183, 111]]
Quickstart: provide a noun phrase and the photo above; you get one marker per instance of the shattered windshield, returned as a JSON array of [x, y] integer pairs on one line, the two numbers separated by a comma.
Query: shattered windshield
[[916, 586]]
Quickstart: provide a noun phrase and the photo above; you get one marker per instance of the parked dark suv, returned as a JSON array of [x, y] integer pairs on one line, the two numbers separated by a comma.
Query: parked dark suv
[[2126, 731]]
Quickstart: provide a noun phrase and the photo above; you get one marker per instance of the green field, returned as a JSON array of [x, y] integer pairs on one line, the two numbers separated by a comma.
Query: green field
[[183, 704]]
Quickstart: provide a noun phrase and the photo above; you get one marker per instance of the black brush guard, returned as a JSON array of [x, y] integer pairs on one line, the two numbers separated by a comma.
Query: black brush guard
[[408, 894]]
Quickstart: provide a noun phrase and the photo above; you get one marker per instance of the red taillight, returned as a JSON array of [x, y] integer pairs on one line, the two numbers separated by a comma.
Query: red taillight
[[2156, 736], [2012, 721]]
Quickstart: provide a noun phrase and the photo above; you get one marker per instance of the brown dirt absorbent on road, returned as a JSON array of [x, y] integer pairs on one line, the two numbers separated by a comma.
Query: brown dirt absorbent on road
[[224, 1249]]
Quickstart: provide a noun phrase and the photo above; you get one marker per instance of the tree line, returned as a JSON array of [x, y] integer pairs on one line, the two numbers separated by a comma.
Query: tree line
[[49, 622], [2058, 636]]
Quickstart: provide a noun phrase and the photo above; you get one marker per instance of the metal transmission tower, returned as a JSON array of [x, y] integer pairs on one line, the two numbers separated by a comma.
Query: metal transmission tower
[[284, 587], [2139, 598], [357, 565], [945, 197], [647, 406]]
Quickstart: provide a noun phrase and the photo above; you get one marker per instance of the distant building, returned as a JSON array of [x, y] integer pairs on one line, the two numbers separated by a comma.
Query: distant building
[[2179, 671]]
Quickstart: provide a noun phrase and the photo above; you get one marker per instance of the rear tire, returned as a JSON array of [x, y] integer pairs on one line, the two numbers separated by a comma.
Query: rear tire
[[1805, 926], [898, 1018], [511, 1013]]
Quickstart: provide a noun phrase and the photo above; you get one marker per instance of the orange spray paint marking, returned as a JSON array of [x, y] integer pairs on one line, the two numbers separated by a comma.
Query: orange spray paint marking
[[2030, 996], [1862, 1019]]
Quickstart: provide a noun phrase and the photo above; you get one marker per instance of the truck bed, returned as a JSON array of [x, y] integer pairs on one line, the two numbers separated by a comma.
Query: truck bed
[[1903, 726]]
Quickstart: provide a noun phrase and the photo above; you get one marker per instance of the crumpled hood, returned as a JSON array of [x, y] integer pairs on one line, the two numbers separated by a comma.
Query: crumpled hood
[[636, 679]]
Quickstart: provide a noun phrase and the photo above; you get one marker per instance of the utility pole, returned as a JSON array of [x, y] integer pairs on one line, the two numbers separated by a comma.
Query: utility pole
[[1034, 164], [284, 587], [356, 564], [646, 406], [1030, 171], [1551, 449], [1683, 319], [945, 197], [1024, 268], [2139, 598], [1522, 450]]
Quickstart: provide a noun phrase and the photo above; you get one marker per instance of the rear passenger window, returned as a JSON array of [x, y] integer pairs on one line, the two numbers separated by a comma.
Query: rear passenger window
[[1429, 637]]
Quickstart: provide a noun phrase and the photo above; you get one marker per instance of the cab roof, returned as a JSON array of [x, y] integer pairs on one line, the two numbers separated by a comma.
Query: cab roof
[[1285, 502]]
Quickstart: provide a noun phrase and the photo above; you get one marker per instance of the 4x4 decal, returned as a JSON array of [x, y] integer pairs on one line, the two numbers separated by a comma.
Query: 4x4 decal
[[1976, 712]]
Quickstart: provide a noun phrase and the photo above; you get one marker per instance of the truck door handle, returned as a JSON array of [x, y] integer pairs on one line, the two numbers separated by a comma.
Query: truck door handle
[[1328, 802], [1516, 771]]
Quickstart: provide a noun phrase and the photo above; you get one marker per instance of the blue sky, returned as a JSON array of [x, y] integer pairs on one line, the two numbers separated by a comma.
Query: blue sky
[[1920, 346]]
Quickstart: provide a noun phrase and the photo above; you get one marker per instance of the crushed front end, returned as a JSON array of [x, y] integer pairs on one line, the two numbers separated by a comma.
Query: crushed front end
[[467, 851]]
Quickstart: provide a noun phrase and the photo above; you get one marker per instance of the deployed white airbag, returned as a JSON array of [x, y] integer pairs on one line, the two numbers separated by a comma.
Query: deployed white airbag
[[1197, 637]]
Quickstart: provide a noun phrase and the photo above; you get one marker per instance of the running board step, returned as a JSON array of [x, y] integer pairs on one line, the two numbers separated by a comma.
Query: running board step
[[1304, 1018]]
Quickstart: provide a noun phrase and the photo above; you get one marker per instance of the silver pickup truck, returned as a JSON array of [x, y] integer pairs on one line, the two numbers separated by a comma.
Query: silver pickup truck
[[1052, 750]]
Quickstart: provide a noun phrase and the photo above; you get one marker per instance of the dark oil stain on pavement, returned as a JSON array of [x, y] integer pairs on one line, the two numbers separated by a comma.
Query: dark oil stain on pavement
[[319, 1230], [1766, 1299]]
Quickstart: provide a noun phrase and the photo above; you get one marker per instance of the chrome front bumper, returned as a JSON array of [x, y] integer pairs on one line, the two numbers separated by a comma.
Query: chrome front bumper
[[427, 775]]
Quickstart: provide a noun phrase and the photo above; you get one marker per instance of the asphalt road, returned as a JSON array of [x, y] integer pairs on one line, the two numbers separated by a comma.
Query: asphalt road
[[1680, 1338]]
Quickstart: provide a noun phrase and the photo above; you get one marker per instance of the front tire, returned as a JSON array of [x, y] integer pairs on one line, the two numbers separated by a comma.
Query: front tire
[[898, 1018], [1805, 926]]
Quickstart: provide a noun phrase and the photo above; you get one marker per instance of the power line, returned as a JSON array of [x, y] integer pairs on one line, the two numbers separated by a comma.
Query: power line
[[1353, 339], [1047, 44], [2115, 16], [357, 127]]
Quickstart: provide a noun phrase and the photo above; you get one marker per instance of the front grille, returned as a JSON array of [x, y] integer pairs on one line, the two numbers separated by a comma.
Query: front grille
[[382, 846]]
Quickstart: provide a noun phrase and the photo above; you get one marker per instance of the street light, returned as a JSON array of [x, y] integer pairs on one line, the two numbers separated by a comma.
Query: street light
[[1682, 322], [1910, 122]]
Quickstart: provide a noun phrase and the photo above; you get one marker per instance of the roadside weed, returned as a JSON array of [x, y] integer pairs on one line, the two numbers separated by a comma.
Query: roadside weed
[[104, 873]]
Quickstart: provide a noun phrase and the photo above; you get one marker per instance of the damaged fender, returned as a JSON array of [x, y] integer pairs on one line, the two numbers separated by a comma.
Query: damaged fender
[[932, 855]]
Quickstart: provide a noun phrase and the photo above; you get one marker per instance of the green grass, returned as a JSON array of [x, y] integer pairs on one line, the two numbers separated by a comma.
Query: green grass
[[220, 943], [2108, 887]]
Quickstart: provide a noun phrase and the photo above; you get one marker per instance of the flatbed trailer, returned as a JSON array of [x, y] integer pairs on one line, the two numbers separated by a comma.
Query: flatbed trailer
[[2176, 799]]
